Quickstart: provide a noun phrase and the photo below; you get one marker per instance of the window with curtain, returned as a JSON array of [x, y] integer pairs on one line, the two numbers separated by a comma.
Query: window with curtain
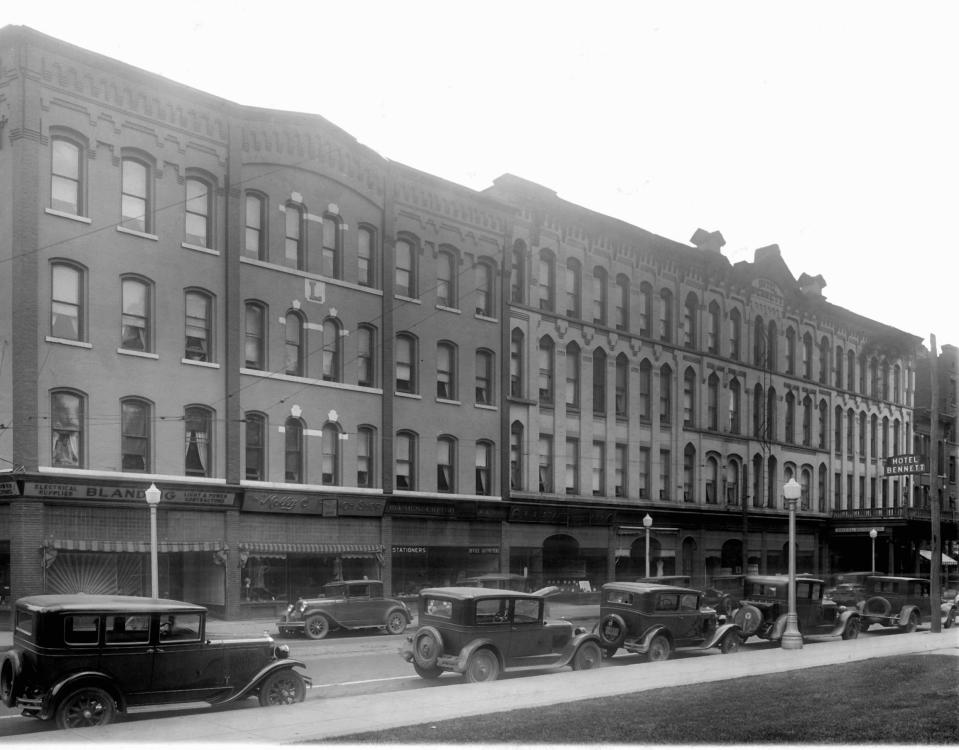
[[199, 308], [516, 363], [599, 469], [135, 318], [665, 395], [665, 475], [198, 422], [689, 397], [135, 429], [645, 391], [735, 406], [255, 446], [66, 427], [293, 448], [66, 176], [644, 469], [619, 471], [67, 302], [712, 402]]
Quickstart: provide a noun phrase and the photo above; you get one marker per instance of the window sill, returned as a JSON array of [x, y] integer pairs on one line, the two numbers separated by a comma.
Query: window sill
[[486, 318], [137, 233], [65, 215], [134, 353], [404, 298], [486, 407], [447, 308], [200, 363], [199, 248], [454, 402], [401, 394], [68, 342]]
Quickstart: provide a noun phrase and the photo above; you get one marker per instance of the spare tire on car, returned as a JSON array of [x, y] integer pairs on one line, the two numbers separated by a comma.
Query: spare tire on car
[[748, 618], [877, 605], [612, 631]]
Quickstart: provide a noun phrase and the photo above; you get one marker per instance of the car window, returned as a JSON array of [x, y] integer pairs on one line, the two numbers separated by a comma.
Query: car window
[[127, 629], [526, 610], [180, 627], [689, 602], [667, 602], [25, 622], [439, 608], [334, 590], [807, 590], [619, 597], [81, 630], [359, 591], [490, 611]]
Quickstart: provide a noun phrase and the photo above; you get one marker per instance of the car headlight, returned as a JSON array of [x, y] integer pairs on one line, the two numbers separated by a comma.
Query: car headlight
[[302, 607], [289, 608], [282, 651]]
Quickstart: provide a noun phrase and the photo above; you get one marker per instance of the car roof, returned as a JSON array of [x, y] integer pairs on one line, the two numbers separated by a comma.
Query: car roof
[[104, 602], [351, 581], [780, 579], [495, 577], [642, 587], [473, 592], [897, 578]]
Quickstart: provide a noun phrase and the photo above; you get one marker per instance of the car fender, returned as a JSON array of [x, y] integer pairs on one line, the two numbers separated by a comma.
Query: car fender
[[578, 640], [79, 679], [406, 613], [904, 613], [473, 646], [334, 623], [641, 645], [254, 682], [844, 617], [12, 661], [717, 637], [779, 628]]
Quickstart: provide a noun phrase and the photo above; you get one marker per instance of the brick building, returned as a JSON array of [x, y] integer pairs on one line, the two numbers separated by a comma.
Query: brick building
[[332, 364]]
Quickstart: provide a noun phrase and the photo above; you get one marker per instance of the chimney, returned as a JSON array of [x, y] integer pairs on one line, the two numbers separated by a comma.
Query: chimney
[[812, 286], [710, 242]]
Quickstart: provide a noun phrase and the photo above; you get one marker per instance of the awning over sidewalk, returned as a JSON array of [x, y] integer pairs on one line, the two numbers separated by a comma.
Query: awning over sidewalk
[[100, 545], [274, 549], [946, 560]]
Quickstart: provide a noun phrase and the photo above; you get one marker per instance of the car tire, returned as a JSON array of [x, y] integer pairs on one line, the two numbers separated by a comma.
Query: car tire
[[427, 647], [877, 605], [396, 623], [483, 666], [282, 688], [86, 707], [659, 649], [427, 673], [587, 656], [612, 631], [851, 629], [748, 618], [731, 642], [912, 623], [317, 627], [9, 686]]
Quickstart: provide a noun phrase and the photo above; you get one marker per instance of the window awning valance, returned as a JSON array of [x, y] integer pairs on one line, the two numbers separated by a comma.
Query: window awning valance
[[102, 545], [315, 548]]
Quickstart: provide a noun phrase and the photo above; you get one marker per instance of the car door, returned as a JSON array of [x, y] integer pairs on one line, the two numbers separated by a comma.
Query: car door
[[531, 642], [185, 668], [127, 654], [358, 608], [688, 620]]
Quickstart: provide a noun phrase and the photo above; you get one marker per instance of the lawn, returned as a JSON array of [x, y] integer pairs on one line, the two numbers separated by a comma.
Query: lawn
[[903, 700]]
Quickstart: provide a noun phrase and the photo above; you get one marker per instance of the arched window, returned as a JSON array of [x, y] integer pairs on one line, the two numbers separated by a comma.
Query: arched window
[[823, 487], [805, 481], [294, 245], [850, 432], [850, 370], [67, 428], [199, 326], [665, 315], [772, 346], [733, 473], [199, 211], [896, 384], [446, 263], [895, 437], [484, 468], [807, 421], [255, 230], [645, 309], [366, 256], [759, 343], [885, 437], [516, 456], [790, 436], [365, 456], [198, 422], [295, 325], [546, 370], [712, 331], [712, 480], [665, 395], [689, 397], [622, 302], [254, 446], [690, 321], [600, 291], [136, 428], [645, 391], [689, 473], [405, 460], [824, 360], [330, 469], [823, 425], [622, 386], [772, 417], [516, 363], [254, 345], [862, 435], [735, 406], [790, 351], [405, 363], [840, 359], [547, 280], [712, 402], [807, 348], [136, 194], [574, 273], [446, 386], [365, 359], [485, 377], [67, 302], [405, 279], [67, 175], [517, 274], [759, 412], [773, 489], [735, 334], [293, 448], [757, 486], [445, 464], [873, 436], [331, 262], [599, 382], [573, 365], [136, 324], [837, 432], [484, 272]]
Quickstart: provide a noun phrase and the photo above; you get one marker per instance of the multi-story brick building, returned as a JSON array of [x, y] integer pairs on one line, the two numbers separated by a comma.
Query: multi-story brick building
[[332, 365]]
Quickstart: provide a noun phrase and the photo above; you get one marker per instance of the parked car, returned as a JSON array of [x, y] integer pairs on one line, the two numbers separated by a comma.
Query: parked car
[[511, 581], [81, 659], [654, 619], [899, 601], [765, 604], [480, 633], [345, 605], [847, 588], [722, 592]]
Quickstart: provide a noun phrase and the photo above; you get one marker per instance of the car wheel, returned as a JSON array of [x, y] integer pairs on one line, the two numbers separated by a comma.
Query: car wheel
[[8, 684], [427, 647], [587, 656], [86, 707], [731, 642], [748, 618], [483, 666], [317, 627], [427, 673], [396, 623], [612, 631], [912, 623], [659, 649], [282, 688], [851, 630]]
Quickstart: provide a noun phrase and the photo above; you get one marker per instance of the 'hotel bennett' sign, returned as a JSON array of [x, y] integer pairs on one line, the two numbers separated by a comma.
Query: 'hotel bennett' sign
[[910, 463]]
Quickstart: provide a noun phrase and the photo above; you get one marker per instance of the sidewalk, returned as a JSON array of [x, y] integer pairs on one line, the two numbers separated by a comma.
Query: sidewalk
[[320, 718]]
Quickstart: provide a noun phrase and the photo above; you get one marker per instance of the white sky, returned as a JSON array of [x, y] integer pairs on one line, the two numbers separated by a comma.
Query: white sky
[[829, 128]]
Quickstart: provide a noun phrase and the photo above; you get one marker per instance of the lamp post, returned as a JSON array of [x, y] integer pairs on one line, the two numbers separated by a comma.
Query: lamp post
[[872, 535], [647, 524], [153, 500], [792, 638]]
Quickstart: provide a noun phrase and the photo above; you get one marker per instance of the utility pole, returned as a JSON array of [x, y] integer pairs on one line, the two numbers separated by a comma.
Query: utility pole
[[935, 553]]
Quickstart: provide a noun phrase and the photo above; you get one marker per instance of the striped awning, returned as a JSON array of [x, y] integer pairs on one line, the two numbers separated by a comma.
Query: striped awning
[[315, 548], [100, 545]]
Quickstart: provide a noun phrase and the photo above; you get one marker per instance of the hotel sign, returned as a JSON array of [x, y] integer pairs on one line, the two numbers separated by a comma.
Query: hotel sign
[[905, 464], [66, 491]]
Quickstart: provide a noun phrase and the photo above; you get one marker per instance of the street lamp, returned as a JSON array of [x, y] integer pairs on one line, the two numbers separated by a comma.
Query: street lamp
[[647, 524], [872, 535], [153, 500], [792, 638]]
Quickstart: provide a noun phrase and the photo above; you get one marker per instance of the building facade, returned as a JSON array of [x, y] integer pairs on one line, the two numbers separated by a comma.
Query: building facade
[[334, 365]]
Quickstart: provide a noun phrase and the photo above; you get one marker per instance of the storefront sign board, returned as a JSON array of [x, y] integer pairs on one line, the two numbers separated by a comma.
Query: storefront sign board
[[67, 491], [9, 489]]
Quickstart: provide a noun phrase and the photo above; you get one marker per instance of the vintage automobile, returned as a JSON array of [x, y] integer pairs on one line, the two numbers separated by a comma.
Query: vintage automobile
[[480, 633], [82, 658], [765, 604], [654, 619], [346, 605], [722, 592], [899, 601], [511, 581]]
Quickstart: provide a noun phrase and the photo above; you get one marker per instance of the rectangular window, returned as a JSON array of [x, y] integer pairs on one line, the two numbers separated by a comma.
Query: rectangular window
[[545, 463], [197, 423], [66, 304], [404, 463], [66, 177], [135, 196], [364, 355], [599, 469], [254, 341], [254, 244], [135, 435], [66, 426], [484, 290], [483, 463], [572, 466], [365, 241], [331, 248], [404, 269], [293, 243], [645, 384], [665, 474], [199, 206], [364, 458], [197, 327], [135, 320], [484, 377], [644, 468], [255, 447], [619, 476], [444, 372], [404, 365]]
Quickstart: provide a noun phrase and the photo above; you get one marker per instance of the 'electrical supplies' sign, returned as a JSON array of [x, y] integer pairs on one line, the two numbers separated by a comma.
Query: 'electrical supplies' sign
[[905, 464]]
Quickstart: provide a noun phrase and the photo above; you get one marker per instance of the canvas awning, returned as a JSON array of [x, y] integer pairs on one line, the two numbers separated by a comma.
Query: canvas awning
[[273, 549], [946, 560], [102, 545]]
